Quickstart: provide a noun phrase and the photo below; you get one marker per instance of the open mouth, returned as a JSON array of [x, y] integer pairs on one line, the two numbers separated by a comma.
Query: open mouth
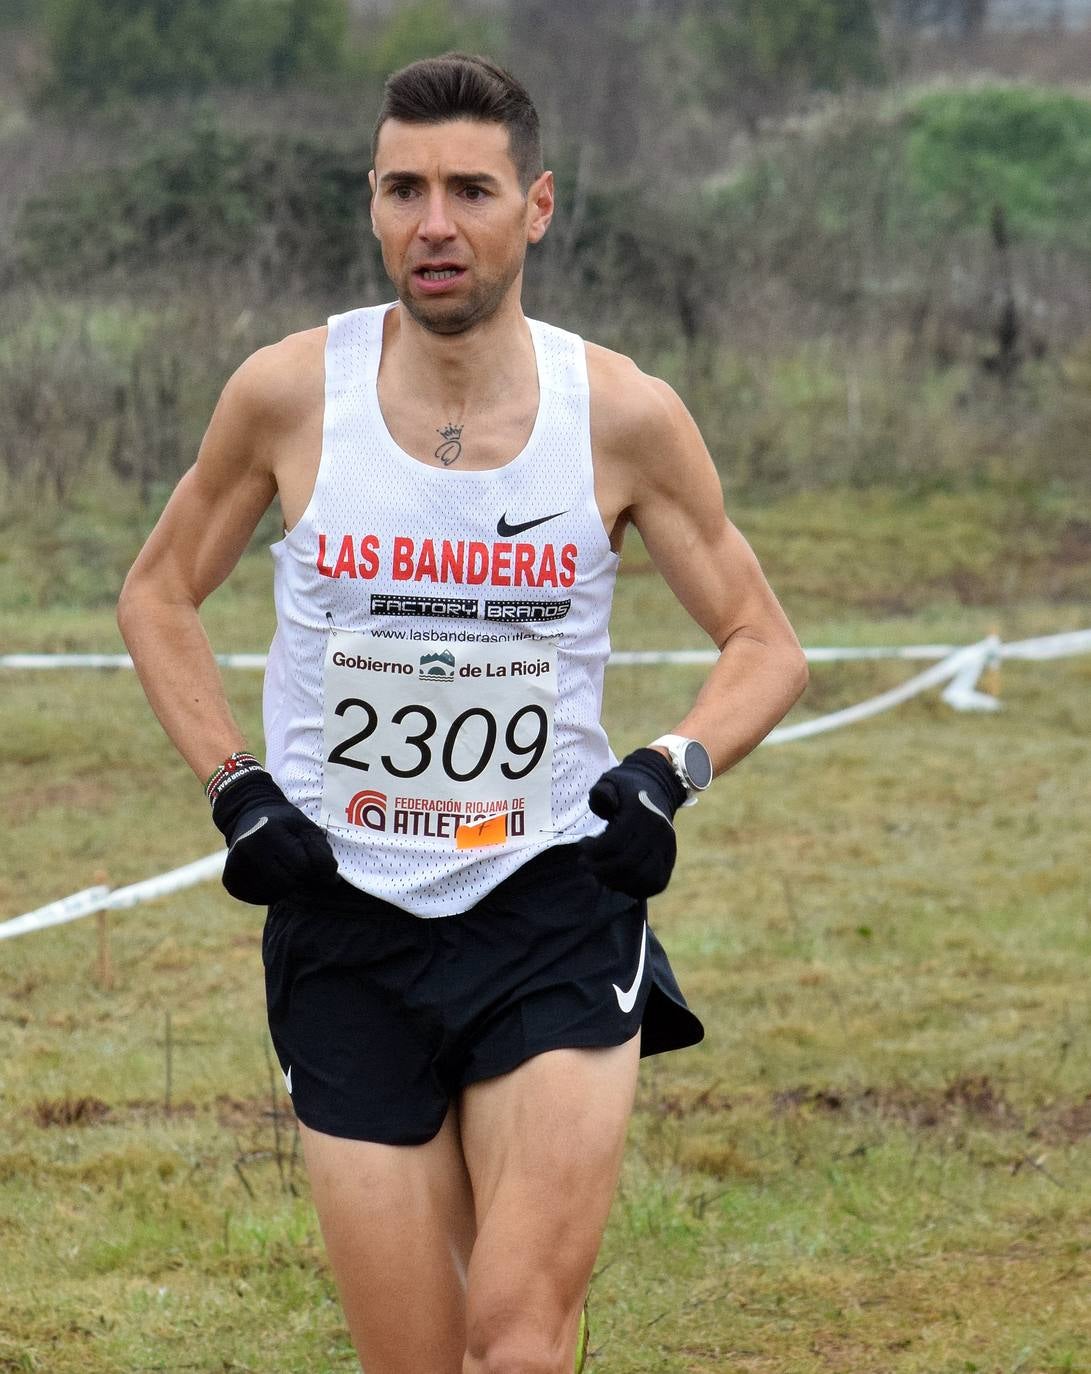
[[438, 276]]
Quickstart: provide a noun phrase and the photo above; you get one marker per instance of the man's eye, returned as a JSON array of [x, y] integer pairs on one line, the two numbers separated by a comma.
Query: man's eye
[[402, 192], [474, 192]]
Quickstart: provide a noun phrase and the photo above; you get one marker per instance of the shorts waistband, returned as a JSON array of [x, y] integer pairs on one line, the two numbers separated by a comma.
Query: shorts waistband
[[343, 898]]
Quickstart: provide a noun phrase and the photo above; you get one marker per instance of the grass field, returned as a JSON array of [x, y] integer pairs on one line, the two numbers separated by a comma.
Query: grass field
[[880, 1158]]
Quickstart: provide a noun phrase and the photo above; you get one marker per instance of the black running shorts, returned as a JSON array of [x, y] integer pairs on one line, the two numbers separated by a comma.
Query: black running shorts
[[380, 1018]]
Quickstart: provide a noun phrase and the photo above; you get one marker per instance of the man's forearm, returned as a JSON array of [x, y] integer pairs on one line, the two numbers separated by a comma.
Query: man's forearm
[[178, 672], [752, 686]]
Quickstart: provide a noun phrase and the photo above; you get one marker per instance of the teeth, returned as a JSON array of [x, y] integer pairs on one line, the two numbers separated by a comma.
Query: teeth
[[429, 275]]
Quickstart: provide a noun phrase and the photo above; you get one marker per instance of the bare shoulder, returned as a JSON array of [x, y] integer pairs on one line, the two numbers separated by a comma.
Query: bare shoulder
[[646, 444], [630, 409], [279, 385]]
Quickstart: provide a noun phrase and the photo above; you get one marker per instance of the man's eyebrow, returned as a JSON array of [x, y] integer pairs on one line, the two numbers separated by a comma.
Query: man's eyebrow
[[415, 178], [483, 178]]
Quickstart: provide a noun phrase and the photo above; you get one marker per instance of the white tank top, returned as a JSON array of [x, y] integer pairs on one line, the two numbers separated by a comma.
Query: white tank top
[[434, 686]]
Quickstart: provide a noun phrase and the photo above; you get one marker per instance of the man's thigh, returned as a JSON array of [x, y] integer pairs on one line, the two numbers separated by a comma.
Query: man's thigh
[[398, 1224], [543, 1146]]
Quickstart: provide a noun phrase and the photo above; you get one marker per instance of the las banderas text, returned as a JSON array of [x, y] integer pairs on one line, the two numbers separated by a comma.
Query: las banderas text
[[470, 562]]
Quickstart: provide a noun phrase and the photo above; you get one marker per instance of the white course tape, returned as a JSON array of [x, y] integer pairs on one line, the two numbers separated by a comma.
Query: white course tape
[[57, 913], [94, 899], [961, 692], [37, 661], [621, 658], [1049, 646], [627, 658], [931, 677], [834, 655], [960, 667], [197, 872]]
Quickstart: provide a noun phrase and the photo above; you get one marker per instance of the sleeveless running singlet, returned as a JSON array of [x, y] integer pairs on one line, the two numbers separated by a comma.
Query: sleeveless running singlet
[[434, 686]]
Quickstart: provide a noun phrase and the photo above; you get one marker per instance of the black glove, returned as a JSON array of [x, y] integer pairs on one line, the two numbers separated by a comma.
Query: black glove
[[635, 853], [273, 848]]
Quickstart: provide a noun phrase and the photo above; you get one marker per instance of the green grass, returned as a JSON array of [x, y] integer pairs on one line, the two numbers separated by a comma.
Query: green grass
[[877, 1161]]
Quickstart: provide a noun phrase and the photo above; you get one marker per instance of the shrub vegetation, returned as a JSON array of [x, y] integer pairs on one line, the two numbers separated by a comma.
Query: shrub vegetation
[[1026, 150], [882, 287], [104, 49]]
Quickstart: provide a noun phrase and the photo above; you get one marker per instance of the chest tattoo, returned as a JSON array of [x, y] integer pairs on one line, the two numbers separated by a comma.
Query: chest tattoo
[[451, 449]]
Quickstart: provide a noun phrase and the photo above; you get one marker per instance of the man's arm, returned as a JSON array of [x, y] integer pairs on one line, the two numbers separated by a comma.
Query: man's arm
[[678, 509], [652, 468], [675, 501], [273, 848], [197, 541]]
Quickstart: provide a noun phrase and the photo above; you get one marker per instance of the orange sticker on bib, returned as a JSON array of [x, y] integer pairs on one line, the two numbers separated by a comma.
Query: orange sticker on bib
[[492, 830]]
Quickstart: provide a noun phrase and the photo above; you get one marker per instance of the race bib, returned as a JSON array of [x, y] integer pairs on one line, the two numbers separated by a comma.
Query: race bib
[[449, 742]]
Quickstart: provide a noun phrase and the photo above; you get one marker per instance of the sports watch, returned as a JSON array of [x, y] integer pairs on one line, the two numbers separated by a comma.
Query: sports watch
[[691, 763]]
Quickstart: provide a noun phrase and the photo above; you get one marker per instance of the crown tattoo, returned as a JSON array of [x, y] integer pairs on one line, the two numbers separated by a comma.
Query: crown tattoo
[[452, 433]]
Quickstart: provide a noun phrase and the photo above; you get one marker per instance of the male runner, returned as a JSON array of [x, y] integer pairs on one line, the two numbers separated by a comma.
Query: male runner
[[460, 975]]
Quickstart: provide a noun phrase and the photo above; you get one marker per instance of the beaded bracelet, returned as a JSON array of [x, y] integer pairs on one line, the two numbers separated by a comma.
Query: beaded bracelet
[[233, 768]]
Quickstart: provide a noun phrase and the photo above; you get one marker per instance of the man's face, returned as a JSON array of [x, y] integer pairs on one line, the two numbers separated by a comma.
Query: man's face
[[452, 219]]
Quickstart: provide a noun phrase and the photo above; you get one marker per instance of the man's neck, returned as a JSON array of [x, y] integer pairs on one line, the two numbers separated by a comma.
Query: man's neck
[[458, 372]]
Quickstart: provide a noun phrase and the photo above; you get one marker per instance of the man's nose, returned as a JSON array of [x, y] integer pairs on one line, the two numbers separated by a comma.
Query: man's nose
[[435, 225]]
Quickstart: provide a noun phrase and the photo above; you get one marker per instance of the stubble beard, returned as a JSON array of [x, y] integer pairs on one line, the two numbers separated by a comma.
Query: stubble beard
[[456, 317]]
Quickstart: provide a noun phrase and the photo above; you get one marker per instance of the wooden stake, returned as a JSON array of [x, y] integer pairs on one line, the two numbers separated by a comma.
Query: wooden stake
[[990, 678], [168, 1047], [104, 973]]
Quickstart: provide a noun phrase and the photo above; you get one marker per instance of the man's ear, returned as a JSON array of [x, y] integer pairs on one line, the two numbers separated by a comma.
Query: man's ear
[[539, 207], [371, 184]]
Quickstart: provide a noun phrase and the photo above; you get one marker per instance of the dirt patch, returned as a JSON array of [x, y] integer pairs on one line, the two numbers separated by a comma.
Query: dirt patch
[[796, 1099], [681, 1103], [1064, 1123], [236, 1112], [966, 1098], [232, 1113], [81, 794], [974, 1097], [1074, 545], [70, 1111]]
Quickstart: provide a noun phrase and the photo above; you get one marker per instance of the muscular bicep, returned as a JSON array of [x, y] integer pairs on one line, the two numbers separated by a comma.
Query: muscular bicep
[[214, 509], [708, 564]]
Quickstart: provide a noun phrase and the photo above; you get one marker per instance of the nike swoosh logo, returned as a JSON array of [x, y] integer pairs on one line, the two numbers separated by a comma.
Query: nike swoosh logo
[[288, 1079], [247, 833], [505, 531], [643, 797], [627, 1000]]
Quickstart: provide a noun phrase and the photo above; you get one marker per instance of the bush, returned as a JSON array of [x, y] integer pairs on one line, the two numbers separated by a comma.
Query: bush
[[119, 389], [1027, 151], [888, 220], [286, 209], [103, 50], [757, 55], [17, 12], [426, 28]]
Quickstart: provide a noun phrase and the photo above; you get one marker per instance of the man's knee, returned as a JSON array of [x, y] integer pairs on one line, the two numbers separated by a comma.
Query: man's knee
[[518, 1353], [534, 1336]]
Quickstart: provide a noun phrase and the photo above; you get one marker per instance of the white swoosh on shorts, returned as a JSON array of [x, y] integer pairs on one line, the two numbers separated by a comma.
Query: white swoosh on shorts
[[627, 1000]]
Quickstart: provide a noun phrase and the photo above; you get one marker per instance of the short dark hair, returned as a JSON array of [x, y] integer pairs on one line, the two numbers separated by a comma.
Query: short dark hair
[[458, 86]]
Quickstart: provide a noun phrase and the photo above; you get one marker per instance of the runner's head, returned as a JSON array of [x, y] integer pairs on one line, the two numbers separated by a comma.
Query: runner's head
[[458, 189], [438, 90]]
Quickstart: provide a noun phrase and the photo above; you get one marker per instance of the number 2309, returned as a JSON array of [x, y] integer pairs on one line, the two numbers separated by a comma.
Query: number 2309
[[524, 754]]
